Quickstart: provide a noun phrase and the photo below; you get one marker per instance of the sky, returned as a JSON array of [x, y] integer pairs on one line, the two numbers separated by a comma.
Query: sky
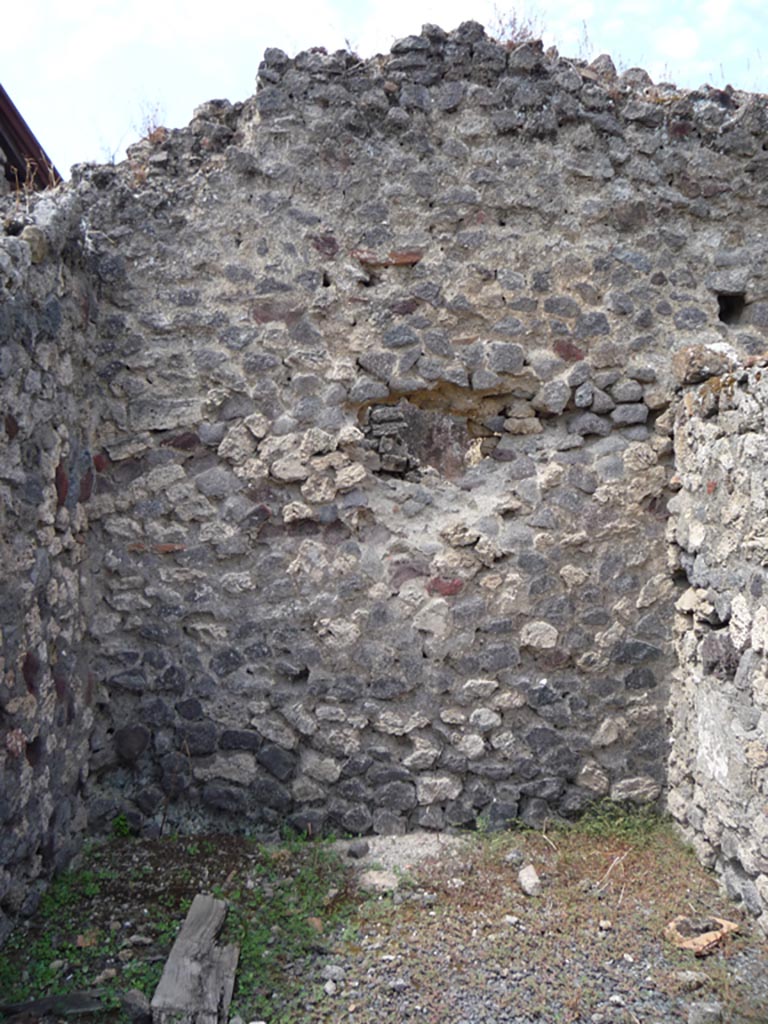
[[90, 76]]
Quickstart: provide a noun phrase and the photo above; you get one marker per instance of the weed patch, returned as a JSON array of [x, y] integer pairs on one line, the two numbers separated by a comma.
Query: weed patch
[[611, 821], [110, 924]]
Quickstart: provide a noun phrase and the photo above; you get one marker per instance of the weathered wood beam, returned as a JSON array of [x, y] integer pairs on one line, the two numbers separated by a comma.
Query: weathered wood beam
[[199, 976]]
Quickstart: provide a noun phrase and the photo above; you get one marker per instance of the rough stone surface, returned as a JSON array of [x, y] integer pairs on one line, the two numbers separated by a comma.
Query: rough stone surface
[[336, 441], [529, 881], [718, 781], [48, 475]]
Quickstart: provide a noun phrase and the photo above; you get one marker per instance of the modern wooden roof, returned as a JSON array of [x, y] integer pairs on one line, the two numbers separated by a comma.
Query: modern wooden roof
[[26, 162]]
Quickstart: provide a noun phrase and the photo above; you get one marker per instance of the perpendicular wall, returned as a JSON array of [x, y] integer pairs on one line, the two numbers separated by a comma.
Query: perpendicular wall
[[378, 395], [47, 474], [719, 711]]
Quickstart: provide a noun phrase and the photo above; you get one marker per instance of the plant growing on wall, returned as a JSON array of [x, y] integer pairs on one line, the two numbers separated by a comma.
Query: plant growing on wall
[[513, 28]]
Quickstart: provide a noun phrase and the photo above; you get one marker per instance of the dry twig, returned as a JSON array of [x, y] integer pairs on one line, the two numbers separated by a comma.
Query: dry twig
[[614, 863]]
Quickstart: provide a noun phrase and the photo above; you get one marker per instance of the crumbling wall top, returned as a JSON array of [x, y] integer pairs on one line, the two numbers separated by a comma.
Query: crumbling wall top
[[523, 88]]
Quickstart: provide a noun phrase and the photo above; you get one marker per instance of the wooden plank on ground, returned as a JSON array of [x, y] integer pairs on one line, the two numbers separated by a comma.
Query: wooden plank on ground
[[198, 977], [70, 1003], [223, 981]]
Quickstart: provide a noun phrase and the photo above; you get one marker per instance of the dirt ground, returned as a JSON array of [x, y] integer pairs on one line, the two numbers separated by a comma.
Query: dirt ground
[[424, 927]]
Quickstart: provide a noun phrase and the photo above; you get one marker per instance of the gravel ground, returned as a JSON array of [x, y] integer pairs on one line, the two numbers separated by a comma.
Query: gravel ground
[[458, 941]]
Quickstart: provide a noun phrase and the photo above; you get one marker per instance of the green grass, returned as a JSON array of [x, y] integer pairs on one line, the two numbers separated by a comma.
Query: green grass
[[64, 949], [284, 904], [279, 923], [120, 827], [62, 958], [619, 821]]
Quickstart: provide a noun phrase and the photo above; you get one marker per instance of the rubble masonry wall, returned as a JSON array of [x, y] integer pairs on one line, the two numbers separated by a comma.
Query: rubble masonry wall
[[719, 711], [47, 476], [352, 468]]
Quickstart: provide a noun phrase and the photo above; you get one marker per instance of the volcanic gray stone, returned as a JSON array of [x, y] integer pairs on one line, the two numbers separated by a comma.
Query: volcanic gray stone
[[225, 798], [135, 1005], [279, 762], [395, 796], [131, 741], [240, 739], [217, 482], [626, 391], [626, 415], [590, 325], [552, 397], [601, 401], [582, 396], [198, 738], [358, 849], [589, 423]]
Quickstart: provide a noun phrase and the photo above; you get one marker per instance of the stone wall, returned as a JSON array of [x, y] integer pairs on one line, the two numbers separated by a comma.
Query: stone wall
[[383, 528], [377, 386], [46, 477], [719, 768]]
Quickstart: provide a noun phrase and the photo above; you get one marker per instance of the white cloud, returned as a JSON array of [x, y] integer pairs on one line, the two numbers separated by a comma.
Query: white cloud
[[716, 12], [677, 42]]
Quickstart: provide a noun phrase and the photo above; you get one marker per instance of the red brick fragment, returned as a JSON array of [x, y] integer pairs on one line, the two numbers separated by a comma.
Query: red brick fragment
[[405, 257], [185, 442], [101, 461], [568, 351], [445, 585], [326, 245], [158, 549], [269, 311], [86, 486], [11, 426], [62, 484], [30, 669]]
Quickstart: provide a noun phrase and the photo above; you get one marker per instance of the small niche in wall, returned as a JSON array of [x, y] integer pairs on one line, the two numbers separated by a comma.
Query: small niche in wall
[[35, 751], [731, 307]]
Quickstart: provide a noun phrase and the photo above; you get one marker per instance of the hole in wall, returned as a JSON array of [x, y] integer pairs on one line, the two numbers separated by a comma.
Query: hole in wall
[[731, 307], [657, 506], [34, 751]]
